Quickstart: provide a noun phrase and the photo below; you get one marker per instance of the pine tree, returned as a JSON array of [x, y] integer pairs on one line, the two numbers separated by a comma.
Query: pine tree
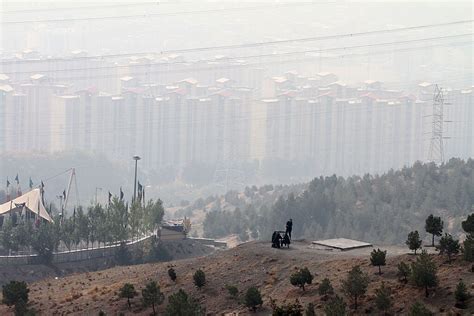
[[199, 278], [301, 277], [419, 309], [423, 272], [180, 304], [403, 272], [382, 298], [468, 248], [127, 291], [152, 295], [253, 298], [414, 241], [468, 225], [335, 307], [325, 287], [449, 246], [461, 294], [309, 310], [377, 258], [355, 284], [15, 292], [434, 226], [233, 291]]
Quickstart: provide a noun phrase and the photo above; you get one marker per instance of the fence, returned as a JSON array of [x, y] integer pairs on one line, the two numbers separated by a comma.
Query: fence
[[73, 255]]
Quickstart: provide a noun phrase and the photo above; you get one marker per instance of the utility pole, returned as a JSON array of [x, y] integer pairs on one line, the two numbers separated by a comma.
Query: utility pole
[[136, 158], [436, 151]]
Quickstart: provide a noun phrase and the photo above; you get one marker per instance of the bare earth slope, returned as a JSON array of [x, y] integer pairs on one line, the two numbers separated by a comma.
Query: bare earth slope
[[250, 264]]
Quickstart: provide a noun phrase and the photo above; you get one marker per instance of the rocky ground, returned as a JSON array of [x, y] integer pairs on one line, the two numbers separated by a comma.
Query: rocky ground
[[250, 264]]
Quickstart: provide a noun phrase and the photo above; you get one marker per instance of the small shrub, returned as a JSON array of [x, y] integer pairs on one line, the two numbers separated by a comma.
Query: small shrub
[[233, 291], [199, 278], [325, 287], [377, 258], [461, 294], [403, 272], [301, 277], [382, 298], [355, 284], [335, 307], [253, 298], [127, 291], [15, 292], [449, 246], [309, 310], [151, 295], [294, 309], [419, 309]]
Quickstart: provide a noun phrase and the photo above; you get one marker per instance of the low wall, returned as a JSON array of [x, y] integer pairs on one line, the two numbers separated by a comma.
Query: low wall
[[210, 242], [73, 255]]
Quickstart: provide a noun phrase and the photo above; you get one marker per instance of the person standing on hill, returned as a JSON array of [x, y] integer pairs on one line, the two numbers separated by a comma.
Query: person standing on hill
[[289, 227]]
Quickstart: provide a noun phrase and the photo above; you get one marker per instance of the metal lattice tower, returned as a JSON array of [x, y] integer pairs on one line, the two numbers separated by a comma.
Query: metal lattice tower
[[436, 152]]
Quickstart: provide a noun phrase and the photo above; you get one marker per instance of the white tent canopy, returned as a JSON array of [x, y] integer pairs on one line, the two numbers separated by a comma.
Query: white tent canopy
[[33, 203]]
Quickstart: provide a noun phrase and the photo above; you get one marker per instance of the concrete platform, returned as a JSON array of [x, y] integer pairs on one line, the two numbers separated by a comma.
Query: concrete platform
[[342, 243]]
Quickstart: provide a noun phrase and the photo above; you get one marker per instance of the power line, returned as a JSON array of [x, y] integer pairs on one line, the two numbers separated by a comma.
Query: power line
[[238, 58], [253, 45], [164, 14], [75, 8]]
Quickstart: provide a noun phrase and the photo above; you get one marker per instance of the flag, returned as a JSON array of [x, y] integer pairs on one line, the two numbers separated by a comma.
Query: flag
[[42, 191], [64, 194], [31, 184], [8, 191], [140, 191], [110, 196], [17, 180], [143, 195], [74, 215], [121, 194]]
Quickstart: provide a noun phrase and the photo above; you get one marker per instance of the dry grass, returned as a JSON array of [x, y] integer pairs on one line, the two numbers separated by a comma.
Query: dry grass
[[252, 264]]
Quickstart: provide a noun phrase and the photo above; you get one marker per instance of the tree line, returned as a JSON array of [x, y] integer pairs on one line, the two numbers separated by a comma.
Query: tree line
[[97, 225], [375, 208]]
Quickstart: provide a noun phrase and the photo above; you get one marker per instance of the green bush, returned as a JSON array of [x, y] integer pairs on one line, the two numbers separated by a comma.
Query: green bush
[[335, 307], [14, 292], [233, 291], [151, 295], [180, 304], [377, 258], [199, 278], [253, 298], [325, 287], [127, 291], [419, 309], [301, 277], [403, 272], [461, 294]]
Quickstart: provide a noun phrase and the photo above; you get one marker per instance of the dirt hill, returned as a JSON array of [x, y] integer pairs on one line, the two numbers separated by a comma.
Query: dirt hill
[[250, 264]]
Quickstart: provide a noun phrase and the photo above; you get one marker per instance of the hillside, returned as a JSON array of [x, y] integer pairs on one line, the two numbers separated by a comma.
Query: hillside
[[375, 208], [250, 264]]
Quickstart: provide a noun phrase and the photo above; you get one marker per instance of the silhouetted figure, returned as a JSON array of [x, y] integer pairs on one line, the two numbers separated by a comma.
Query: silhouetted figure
[[289, 227], [286, 241], [276, 240]]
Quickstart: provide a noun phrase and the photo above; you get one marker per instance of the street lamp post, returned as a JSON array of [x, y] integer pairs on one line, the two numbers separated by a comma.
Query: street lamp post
[[136, 158]]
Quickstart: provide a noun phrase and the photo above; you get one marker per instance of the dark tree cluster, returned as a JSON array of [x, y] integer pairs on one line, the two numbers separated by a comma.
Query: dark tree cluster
[[378, 208], [98, 225]]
